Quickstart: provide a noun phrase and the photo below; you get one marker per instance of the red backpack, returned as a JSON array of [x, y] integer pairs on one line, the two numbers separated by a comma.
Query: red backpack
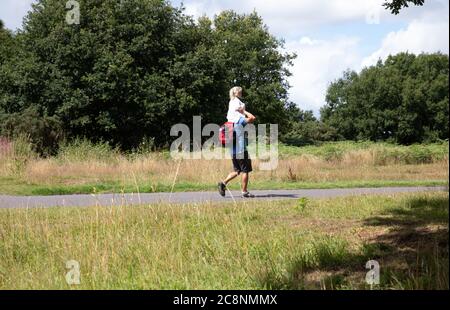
[[226, 133]]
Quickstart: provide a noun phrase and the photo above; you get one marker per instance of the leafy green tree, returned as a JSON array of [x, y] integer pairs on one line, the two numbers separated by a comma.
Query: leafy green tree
[[404, 99], [306, 129], [132, 69], [254, 62], [6, 43], [395, 6]]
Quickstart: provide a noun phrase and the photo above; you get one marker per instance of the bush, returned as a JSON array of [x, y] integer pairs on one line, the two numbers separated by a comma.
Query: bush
[[43, 132], [81, 150], [411, 155], [381, 153], [309, 133], [14, 155]]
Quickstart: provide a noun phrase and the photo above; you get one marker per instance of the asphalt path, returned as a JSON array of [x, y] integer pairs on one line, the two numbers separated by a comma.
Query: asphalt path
[[193, 197]]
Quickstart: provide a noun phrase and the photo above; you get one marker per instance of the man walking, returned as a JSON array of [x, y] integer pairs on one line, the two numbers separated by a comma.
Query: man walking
[[242, 164]]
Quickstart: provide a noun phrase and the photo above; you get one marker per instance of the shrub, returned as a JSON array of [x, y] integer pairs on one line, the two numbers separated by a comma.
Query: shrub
[[43, 132], [81, 150], [15, 154]]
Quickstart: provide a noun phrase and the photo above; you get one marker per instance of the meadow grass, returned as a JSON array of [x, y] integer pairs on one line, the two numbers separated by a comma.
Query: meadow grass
[[294, 244], [82, 167]]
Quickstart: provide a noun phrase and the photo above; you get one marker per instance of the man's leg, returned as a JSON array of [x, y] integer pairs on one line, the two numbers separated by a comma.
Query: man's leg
[[230, 177], [223, 185], [246, 165], [244, 182]]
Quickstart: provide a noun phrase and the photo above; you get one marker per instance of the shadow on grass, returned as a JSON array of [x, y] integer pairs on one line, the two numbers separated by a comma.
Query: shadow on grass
[[412, 250], [422, 222]]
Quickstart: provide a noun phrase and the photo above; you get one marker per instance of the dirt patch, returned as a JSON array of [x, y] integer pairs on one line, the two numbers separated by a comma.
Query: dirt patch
[[327, 226]]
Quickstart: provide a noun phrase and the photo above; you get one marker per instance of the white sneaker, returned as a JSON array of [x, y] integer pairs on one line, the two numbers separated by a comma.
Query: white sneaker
[[247, 195]]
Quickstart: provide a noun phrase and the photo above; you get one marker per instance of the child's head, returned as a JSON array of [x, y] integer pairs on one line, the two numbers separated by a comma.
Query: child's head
[[235, 92]]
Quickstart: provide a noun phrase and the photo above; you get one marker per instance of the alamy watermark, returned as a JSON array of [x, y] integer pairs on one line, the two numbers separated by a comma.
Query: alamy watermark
[[73, 276], [373, 276], [190, 146], [373, 15], [73, 13]]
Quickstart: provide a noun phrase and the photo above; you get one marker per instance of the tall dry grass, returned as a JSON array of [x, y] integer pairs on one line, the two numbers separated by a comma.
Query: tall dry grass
[[15, 156], [356, 165], [84, 163]]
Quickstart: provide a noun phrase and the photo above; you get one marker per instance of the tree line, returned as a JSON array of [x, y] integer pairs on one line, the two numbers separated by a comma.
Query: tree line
[[131, 69], [404, 99]]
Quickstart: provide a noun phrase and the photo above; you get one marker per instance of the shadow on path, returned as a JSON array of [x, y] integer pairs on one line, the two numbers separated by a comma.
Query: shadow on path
[[277, 196]]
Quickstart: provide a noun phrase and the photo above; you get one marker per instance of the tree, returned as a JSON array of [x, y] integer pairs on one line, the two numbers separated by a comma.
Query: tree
[[306, 129], [132, 69], [395, 6], [254, 62], [404, 100], [6, 43], [43, 132]]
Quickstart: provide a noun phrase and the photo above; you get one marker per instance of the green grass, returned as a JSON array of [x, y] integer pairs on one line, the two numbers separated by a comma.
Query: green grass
[[10, 186], [413, 154], [304, 244]]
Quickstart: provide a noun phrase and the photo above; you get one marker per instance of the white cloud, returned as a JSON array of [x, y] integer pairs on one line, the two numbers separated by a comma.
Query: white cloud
[[318, 63], [200, 8], [287, 17], [421, 36]]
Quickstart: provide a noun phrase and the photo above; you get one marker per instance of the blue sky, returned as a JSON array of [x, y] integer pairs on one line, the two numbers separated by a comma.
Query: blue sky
[[329, 36]]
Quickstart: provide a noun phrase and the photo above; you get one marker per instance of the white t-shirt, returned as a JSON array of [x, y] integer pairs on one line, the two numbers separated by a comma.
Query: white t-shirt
[[233, 114]]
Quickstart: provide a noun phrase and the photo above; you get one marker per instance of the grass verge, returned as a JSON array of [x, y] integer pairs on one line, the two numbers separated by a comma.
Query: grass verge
[[304, 244], [9, 187]]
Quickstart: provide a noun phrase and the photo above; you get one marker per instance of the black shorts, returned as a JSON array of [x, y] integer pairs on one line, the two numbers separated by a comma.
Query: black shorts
[[242, 164]]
